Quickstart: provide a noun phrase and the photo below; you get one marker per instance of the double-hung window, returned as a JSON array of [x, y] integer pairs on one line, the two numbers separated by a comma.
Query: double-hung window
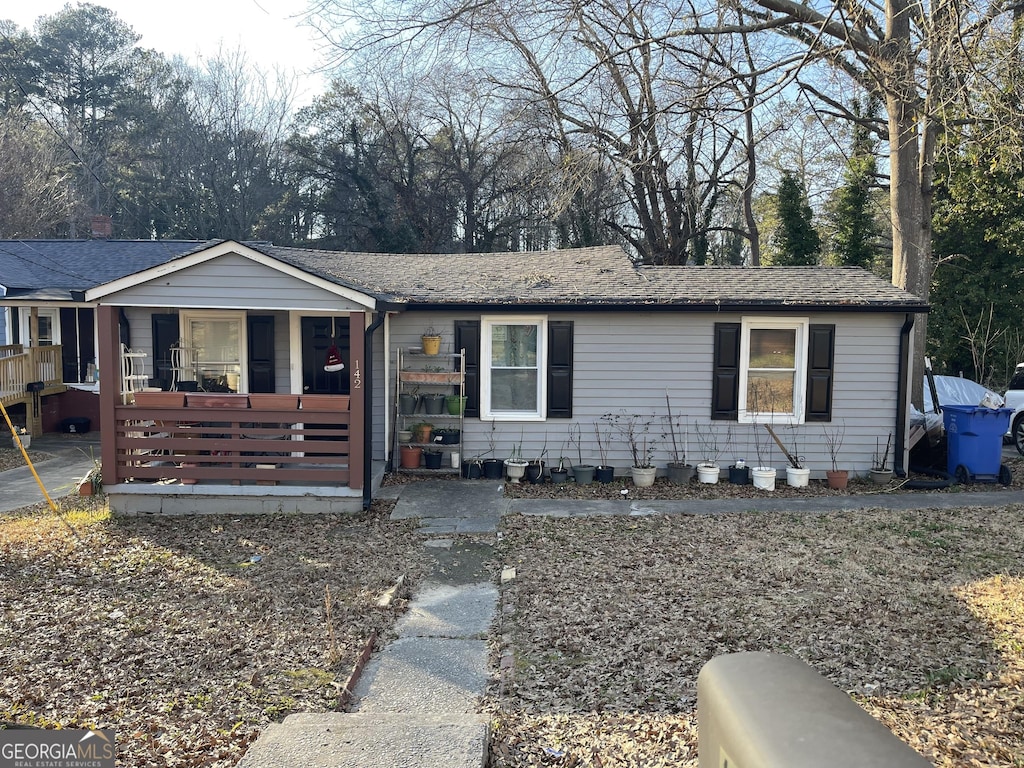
[[773, 370], [513, 353]]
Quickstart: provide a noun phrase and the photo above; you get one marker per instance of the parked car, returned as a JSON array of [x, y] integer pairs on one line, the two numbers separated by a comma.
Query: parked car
[[1014, 398]]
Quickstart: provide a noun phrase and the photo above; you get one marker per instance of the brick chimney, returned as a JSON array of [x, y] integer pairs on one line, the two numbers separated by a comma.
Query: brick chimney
[[101, 227]]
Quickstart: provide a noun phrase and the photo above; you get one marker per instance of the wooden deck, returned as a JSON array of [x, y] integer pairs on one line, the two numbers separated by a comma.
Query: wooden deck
[[19, 367]]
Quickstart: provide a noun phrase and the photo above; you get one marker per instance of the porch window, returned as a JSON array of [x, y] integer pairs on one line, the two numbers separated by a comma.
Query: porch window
[[215, 343], [48, 328], [513, 352]]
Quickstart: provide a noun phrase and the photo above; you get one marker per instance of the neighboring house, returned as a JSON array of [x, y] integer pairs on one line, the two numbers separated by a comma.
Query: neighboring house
[[801, 348], [48, 330]]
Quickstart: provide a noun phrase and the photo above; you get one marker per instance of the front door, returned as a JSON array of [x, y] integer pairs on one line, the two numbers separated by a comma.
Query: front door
[[318, 333]]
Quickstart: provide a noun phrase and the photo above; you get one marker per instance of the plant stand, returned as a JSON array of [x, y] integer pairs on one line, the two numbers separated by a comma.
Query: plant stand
[[416, 372]]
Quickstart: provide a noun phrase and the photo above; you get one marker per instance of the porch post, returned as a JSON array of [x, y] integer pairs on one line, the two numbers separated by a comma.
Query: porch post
[[357, 392], [109, 375]]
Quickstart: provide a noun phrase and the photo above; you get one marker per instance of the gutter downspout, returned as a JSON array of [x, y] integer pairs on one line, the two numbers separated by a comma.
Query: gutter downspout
[[368, 410], [901, 397]]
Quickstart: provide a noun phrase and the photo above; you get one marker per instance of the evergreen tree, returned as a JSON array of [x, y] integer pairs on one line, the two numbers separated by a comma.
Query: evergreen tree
[[795, 241], [855, 232]]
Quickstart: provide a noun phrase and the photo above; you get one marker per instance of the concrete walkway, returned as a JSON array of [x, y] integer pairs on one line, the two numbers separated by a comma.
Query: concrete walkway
[[72, 458]]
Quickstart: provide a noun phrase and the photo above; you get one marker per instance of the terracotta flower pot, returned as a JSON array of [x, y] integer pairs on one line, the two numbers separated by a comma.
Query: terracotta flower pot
[[837, 479], [411, 456]]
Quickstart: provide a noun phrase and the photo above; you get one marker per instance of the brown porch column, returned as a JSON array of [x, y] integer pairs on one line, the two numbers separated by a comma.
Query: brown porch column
[[109, 373], [357, 423]]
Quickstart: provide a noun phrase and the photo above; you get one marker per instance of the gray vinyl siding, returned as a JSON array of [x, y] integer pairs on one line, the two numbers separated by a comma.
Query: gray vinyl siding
[[625, 362], [232, 282]]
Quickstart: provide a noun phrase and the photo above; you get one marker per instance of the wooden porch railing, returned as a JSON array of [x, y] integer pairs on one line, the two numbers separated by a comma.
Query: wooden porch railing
[[228, 443], [19, 366]]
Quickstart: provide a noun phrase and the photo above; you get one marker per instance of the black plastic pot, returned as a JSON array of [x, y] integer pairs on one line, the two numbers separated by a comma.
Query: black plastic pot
[[559, 476], [604, 474], [739, 475], [583, 474], [472, 470], [535, 472], [493, 469], [432, 459], [433, 405], [407, 404]]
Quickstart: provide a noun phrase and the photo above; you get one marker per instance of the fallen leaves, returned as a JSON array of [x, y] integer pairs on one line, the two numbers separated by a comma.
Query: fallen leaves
[[917, 614], [187, 635]]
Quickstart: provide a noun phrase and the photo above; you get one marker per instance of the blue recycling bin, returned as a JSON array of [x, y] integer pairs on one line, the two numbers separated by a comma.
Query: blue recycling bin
[[974, 438]]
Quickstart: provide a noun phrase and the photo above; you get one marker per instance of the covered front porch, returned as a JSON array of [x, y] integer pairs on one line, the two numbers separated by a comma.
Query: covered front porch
[[187, 451]]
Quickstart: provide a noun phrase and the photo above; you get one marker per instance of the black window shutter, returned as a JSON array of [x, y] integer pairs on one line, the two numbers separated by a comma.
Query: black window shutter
[[821, 343], [261, 353], [165, 334], [560, 369], [725, 381], [467, 336]]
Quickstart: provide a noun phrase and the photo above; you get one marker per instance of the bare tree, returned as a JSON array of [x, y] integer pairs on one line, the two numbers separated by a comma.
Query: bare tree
[[34, 179]]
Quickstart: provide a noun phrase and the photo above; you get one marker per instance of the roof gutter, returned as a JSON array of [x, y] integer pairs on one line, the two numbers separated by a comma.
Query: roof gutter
[[378, 321], [902, 396]]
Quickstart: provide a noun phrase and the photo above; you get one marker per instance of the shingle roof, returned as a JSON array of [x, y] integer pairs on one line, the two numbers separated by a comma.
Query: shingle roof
[[51, 269], [603, 276]]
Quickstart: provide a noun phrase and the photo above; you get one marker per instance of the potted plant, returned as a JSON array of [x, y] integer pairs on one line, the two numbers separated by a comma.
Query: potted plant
[[797, 475], [433, 403], [456, 404], [422, 432], [407, 401], [21, 439], [560, 474], [447, 435], [492, 466], [431, 340], [582, 473], [405, 435], [535, 469], [603, 472], [881, 472], [432, 458], [763, 475], [641, 447], [92, 482], [411, 456], [708, 470], [679, 471], [515, 464], [837, 478]]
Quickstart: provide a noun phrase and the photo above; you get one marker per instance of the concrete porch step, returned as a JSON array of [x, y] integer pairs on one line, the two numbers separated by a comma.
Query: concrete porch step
[[381, 740]]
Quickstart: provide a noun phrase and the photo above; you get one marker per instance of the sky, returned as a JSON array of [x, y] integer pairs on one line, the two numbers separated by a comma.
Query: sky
[[269, 31]]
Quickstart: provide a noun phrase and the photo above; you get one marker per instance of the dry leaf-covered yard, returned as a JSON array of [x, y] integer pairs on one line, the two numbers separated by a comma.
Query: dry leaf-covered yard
[[187, 635], [919, 615]]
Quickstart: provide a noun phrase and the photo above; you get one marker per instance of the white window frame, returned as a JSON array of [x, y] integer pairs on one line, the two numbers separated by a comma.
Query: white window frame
[[487, 323], [25, 321], [186, 317], [800, 325]]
